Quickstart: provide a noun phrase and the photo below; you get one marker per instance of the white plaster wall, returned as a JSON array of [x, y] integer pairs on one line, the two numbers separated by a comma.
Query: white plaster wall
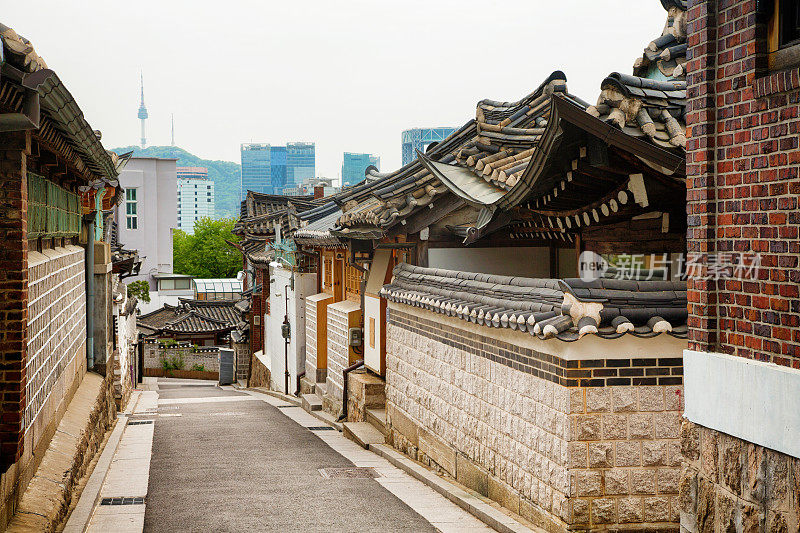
[[372, 311], [527, 261], [304, 285], [755, 401], [156, 184]]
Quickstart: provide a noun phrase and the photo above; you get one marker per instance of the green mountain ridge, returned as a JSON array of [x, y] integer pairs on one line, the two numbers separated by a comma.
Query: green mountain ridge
[[224, 174]]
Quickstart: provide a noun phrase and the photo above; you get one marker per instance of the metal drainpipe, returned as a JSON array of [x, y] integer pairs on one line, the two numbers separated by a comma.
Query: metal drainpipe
[[90, 290], [345, 373]]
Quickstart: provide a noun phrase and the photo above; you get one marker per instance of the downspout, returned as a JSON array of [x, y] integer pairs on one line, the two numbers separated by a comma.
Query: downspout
[[345, 373], [90, 218]]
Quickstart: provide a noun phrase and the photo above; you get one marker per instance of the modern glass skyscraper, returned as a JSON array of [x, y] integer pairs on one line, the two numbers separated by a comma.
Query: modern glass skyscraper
[[256, 171], [271, 169], [300, 163], [354, 166], [419, 139]]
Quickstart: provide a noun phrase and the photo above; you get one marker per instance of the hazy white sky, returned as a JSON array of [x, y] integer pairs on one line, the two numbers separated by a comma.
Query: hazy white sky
[[348, 75]]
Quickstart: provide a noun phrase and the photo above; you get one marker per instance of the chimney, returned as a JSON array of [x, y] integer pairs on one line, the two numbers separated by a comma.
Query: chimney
[[319, 191]]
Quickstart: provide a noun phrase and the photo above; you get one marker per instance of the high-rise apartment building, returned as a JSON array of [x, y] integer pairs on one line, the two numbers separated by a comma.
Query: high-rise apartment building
[[420, 138], [195, 197], [271, 169], [354, 166]]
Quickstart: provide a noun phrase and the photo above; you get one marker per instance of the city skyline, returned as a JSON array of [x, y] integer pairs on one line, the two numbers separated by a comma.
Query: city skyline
[[365, 111]]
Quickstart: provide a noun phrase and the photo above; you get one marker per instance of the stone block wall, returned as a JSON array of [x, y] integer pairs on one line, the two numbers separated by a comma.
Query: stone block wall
[[364, 391], [260, 374], [624, 455], [730, 484], [154, 354], [462, 399], [241, 352], [339, 318], [56, 323]]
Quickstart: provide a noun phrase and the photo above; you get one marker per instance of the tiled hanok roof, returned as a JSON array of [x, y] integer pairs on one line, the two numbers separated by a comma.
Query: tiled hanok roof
[[62, 122], [318, 233], [651, 102], [194, 316], [493, 163], [496, 145], [563, 309]]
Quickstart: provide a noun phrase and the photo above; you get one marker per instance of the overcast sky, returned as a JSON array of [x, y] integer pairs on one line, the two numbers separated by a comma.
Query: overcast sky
[[348, 75]]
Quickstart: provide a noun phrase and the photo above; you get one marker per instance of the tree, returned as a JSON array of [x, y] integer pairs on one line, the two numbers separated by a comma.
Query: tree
[[206, 254], [140, 289]]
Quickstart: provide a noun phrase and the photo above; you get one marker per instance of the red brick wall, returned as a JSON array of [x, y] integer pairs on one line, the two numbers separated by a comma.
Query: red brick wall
[[13, 292], [742, 184]]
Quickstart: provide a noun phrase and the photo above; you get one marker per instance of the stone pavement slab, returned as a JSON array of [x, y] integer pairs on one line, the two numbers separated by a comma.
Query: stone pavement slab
[[128, 472]]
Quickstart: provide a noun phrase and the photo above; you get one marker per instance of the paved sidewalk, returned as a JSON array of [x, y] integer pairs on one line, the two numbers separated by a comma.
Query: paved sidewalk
[[128, 474]]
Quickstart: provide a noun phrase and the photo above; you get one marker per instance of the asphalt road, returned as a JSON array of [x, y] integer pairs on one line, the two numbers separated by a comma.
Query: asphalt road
[[244, 466]]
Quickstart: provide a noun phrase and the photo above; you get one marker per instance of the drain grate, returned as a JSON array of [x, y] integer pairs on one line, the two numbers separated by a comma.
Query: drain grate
[[139, 422], [352, 472], [285, 406], [124, 500], [321, 428]]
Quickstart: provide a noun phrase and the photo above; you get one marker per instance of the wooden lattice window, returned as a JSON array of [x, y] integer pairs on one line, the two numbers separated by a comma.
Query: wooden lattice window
[[52, 210], [328, 273], [352, 281]]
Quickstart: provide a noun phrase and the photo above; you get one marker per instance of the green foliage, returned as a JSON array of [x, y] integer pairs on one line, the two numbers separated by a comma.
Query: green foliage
[[173, 363], [198, 367], [224, 174], [140, 289], [206, 254]]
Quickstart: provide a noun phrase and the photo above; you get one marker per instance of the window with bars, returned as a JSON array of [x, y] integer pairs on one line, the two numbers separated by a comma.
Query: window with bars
[[131, 209]]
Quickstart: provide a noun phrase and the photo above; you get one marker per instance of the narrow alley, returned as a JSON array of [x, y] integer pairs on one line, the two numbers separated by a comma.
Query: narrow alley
[[226, 460]]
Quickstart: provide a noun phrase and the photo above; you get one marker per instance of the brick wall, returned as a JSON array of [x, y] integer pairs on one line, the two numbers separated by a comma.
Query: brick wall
[[742, 177], [578, 457], [13, 292], [742, 187]]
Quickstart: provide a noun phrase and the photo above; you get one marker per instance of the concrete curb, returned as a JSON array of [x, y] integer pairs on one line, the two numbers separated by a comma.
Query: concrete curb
[[472, 502], [82, 513]]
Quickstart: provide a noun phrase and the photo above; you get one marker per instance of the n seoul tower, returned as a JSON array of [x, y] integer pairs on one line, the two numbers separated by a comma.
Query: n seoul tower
[[142, 111]]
